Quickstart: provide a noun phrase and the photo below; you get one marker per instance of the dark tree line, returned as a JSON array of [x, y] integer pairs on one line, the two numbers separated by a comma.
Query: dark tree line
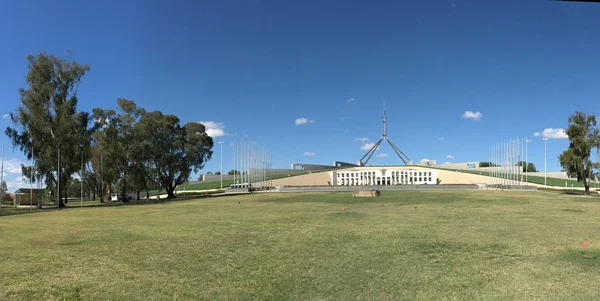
[[583, 138], [125, 150]]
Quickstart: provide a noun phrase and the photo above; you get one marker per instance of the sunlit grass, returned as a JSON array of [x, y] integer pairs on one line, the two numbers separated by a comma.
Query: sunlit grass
[[404, 245]]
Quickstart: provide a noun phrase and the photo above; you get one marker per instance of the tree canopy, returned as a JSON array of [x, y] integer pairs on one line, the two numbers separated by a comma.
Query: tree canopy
[[127, 148], [583, 137], [174, 151], [47, 123], [527, 167]]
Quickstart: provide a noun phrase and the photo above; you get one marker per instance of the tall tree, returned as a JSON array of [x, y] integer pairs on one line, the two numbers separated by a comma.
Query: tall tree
[[47, 124], [119, 139], [583, 137], [174, 150]]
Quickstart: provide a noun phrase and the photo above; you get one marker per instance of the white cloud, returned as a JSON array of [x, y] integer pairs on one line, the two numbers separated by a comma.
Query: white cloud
[[367, 146], [350, 99], [303, 120], [551, 133], [382, 155], [441, 138], [449, 157], [5, 116], [16, 184], [472, 115], [214, 129], [12, 166], [363, 139], [425, 160], [309, 154]]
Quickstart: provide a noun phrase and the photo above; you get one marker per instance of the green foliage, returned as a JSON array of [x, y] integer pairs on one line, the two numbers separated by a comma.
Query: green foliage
[[174, 151], [4, 196], [583, 137], [119, 141], [487, 164], [530, 167], [47, 121], [233, 172], [218, 173]]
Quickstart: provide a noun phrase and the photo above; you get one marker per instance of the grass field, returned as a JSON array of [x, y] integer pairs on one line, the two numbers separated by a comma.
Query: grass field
[[405, 245]]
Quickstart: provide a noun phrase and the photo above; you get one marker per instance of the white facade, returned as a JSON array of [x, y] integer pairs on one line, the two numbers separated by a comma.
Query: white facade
[[384, 176]]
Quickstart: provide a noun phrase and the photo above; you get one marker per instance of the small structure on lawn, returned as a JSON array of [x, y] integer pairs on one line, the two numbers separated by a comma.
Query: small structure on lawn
[[367, 193], [27, 196]]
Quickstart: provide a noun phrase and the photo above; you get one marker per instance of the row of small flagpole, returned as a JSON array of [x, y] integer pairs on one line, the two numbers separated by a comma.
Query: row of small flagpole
[[251, 163], [506, 162]]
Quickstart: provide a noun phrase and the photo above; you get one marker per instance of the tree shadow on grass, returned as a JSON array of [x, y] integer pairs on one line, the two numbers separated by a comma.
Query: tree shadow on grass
[[6, 211], [584, 258]]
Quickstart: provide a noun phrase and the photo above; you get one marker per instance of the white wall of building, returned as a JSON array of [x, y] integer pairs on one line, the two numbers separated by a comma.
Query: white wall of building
[[384, 176]]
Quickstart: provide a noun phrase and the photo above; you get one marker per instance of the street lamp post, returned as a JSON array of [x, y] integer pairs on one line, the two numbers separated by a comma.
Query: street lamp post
[[545, 140], [221, 143]]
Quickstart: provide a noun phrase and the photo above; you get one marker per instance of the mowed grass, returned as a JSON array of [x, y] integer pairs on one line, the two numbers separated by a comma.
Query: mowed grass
[[404, 245]]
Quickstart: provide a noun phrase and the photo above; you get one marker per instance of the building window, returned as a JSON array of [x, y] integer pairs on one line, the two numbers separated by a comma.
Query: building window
[[420, 179], [429, 179]]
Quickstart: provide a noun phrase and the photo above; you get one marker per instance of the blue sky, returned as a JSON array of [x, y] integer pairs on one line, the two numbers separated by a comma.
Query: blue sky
[[254, 67]]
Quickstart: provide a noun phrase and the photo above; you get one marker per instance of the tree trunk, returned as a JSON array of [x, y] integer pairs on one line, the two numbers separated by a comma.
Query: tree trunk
[[66, 195], [124, 190], [138, 194], [94, 194], [587, 187], [170, 192]]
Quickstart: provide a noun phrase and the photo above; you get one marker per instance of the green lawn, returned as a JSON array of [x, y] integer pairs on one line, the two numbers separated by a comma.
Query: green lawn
[[405, 245], [531, 179]]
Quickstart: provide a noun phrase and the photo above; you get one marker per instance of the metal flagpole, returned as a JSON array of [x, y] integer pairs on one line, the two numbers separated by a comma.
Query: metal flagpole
[[514, 165], [101, 179], [271, 163], [497, 169], [31, 180], [81, 195], [504, 159], [242, 162], [501, 159], [498, 166], [522, 152], [516, 159], [510, 162], [58, 182], [526, 159]]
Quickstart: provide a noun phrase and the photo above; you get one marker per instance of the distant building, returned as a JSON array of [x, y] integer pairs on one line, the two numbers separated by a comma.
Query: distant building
[[383, 176], [27, 196]]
